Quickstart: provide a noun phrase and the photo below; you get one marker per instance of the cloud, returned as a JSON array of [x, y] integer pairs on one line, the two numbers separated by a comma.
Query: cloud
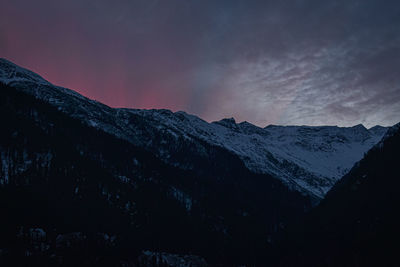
[[282, 62]]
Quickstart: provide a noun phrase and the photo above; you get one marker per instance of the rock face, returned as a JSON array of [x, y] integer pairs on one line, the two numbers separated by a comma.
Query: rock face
[[307, 159]]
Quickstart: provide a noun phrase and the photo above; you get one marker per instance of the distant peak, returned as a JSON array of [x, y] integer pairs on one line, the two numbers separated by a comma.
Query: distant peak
[[227, 122], [359, 127], [270, 126], [181, 112], [246, 123]]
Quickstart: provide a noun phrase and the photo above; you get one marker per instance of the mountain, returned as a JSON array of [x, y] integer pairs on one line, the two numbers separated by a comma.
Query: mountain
[[85, 184], [307, 159], [77, 188], [357, 224]]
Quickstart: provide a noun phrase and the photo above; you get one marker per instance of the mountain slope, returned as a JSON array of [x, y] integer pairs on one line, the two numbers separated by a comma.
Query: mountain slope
[[357, 224], [73, 194], [307, 159]]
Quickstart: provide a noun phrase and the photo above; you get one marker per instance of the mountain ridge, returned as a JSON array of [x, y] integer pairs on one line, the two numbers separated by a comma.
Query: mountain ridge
[[69, 180], [274, 150], [356, 224], [133, 181]]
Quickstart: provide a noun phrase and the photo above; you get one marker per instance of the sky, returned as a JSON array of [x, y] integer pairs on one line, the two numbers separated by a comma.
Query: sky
[[297, 62]]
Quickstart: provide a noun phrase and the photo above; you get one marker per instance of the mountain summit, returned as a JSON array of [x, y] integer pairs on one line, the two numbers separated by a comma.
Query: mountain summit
[[306, 158]]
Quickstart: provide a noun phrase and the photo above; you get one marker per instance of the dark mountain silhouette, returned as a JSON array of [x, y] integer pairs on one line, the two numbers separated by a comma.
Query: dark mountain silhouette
[[87, 185], [308, 159], [357, 224], [78, 184]]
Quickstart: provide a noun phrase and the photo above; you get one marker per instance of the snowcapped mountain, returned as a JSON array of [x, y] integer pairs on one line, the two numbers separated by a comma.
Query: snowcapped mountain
[[307, 159], [63, 182], [356, 224]]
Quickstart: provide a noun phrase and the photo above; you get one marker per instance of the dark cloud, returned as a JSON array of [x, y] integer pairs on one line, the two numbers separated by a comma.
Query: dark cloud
[[283, 62]]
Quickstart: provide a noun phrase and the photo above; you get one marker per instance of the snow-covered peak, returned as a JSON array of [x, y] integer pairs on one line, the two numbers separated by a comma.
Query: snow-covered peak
[[359, 127], [307, 158]]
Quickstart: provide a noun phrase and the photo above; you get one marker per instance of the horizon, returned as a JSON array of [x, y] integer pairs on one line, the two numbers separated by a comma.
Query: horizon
[[225, 118], [266, 62]]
